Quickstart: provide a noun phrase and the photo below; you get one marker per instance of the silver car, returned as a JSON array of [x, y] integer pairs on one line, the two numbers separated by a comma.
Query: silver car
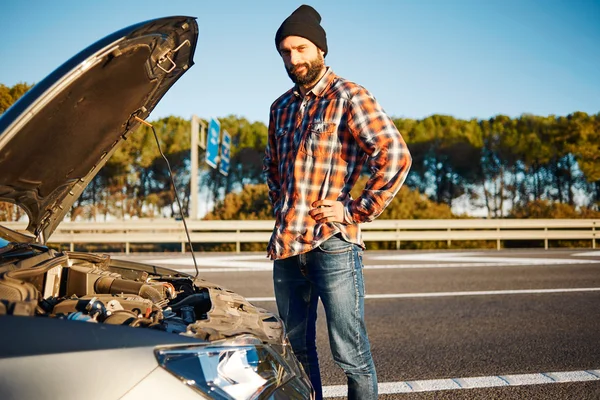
[[86, 326]]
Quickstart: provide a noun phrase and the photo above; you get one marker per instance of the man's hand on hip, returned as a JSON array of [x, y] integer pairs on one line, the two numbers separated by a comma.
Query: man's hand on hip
[[327, 211]]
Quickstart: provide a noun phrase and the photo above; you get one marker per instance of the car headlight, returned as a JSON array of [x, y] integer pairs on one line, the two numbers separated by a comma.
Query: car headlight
[[241, 368]]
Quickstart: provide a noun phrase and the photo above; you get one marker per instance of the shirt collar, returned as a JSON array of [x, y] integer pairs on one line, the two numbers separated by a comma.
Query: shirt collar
[[320, 86]]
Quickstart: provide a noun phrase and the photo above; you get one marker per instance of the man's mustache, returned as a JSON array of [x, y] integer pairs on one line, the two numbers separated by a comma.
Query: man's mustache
[[294, 69]]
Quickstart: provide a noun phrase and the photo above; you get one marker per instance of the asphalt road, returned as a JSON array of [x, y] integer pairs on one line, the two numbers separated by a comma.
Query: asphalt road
[[526, 323]]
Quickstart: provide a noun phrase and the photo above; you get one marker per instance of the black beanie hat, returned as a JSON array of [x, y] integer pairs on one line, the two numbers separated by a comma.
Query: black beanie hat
[[304, 22]]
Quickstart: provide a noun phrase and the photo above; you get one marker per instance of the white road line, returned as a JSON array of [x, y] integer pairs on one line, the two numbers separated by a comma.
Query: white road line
[[474, 258], [432, 385], [458, 294], [587, 254], [483, 264]]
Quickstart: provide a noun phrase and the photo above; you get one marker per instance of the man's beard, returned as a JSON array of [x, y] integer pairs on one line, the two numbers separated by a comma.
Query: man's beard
[[313, 70]]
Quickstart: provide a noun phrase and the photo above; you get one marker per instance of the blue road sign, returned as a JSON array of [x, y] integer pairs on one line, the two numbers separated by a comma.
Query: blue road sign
[[225, 152], [212, 143]]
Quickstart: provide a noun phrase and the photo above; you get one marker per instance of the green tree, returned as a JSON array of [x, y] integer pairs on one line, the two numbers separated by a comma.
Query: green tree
[[552, 210], [446, 155], [587, 152], [135, 182], [498, 172], [251, 203], [9, 95]]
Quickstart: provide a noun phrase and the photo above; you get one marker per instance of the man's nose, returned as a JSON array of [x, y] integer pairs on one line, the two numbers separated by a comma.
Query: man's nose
[[294, 58]]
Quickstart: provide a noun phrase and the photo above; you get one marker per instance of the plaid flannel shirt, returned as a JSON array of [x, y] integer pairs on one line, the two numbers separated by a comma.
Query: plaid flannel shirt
[[317, 146]]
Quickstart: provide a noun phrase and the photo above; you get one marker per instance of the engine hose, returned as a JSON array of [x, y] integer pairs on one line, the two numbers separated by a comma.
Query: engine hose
[[121, 317], [151, 293], [109, 285], [200, 301]]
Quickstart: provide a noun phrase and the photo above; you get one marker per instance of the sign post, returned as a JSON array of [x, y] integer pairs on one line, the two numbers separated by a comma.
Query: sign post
[[198, 139]]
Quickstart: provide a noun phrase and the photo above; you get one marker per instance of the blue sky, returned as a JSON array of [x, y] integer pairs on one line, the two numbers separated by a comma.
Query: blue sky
[[465, 58]]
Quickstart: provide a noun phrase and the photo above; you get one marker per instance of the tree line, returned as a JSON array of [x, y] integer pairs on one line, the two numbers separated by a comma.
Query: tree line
[[505, 163], [506, 166]]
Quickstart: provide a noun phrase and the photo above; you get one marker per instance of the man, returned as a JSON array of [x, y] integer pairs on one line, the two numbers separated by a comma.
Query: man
[[321, 133]]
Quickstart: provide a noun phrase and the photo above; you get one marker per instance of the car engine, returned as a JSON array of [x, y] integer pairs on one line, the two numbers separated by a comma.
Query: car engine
[[97, 289]]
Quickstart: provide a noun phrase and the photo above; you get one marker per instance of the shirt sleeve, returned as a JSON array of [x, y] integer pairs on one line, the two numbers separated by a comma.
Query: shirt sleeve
[[271, 168], [388, 157]]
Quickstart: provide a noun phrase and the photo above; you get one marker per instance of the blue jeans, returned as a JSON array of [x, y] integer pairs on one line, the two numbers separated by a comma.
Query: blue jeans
[[332, 272]]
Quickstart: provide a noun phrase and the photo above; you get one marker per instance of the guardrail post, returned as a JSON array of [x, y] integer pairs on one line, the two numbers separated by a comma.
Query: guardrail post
[[594, 235], [546, 238], [498, 243], [71, 245], [182, 247], [398, 241], [449, 243], [126, 247], [237, 242]]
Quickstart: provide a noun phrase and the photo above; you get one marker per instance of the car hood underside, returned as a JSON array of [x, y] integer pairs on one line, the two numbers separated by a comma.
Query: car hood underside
[[56, 138]]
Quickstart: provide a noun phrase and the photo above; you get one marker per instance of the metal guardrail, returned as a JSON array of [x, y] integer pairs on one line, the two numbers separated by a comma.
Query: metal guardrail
[[172, 231]]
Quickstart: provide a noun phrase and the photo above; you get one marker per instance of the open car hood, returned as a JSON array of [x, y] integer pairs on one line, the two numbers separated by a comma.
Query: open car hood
[[55, 139]]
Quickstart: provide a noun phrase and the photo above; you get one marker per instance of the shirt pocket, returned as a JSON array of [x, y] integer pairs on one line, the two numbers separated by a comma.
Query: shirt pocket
[[320, 139]]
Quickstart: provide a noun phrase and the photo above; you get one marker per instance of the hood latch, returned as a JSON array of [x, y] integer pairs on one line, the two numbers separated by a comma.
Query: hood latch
[[167, 57]]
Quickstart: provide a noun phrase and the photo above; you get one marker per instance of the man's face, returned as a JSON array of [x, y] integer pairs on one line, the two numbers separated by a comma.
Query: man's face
[[303, 60]]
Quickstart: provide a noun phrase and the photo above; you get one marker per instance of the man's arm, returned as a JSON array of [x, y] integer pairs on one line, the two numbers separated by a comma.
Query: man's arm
[[388, 157], [271, 168]]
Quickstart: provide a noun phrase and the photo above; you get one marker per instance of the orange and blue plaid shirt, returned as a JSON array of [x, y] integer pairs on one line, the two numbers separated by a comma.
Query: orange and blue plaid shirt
[[317, 146]]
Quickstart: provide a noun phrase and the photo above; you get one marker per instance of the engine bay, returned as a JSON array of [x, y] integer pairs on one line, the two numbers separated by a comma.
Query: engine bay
[[94, 288]]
